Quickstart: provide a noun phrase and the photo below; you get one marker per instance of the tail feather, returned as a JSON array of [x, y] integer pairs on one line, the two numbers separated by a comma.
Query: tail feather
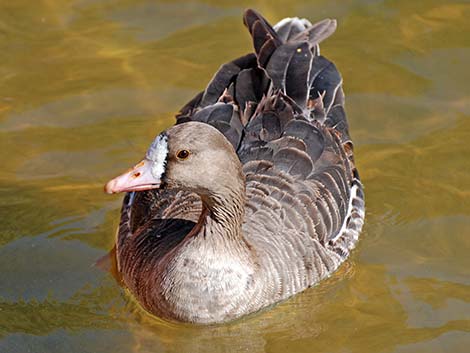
[[316, 33]]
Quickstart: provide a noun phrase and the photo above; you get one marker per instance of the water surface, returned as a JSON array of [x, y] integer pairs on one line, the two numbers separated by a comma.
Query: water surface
[[85, 85]]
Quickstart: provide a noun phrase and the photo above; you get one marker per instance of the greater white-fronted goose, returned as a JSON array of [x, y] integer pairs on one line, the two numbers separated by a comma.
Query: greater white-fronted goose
[[253, 195]]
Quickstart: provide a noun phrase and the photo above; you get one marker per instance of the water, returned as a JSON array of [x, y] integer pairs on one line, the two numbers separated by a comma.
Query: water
[[85, 85]]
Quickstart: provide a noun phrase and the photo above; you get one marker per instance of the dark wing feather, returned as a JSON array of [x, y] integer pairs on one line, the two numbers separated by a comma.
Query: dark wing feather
[[297, 87], [277, 66], [250, 86], [325, 81], [265, 38], [223, 77], [309, 134]]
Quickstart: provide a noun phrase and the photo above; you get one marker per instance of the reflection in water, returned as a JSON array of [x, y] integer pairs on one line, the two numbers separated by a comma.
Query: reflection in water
[[85, 85]]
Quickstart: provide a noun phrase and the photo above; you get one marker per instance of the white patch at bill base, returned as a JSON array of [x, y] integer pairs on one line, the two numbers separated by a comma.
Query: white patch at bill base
[[157, 154]]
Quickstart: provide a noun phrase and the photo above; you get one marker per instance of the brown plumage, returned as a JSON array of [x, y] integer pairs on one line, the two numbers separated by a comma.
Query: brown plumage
[[265, 199]]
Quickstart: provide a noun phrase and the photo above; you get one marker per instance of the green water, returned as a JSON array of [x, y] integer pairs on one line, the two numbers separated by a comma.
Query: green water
[[85, 85]]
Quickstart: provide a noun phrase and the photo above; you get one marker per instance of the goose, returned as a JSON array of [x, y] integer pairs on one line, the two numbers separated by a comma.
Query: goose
[[253, 195]]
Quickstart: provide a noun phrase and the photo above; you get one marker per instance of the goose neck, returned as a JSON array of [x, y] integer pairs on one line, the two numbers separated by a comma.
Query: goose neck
[[226, 209]]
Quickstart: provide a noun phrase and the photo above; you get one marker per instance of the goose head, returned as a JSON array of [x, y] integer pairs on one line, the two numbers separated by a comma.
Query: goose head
[[193, 155]]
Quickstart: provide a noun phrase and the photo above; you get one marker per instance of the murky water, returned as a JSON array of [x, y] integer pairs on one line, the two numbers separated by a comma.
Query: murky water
[[86, 84]]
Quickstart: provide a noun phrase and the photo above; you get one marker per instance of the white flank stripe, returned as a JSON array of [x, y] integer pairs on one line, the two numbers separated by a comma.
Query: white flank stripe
[[344, 227]]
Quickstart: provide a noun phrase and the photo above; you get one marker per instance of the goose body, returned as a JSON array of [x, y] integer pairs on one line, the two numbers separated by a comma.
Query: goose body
[[253, 195]]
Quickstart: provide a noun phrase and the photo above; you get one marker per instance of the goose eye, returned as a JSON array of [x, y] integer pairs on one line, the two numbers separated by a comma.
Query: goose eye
[[182, 154]]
